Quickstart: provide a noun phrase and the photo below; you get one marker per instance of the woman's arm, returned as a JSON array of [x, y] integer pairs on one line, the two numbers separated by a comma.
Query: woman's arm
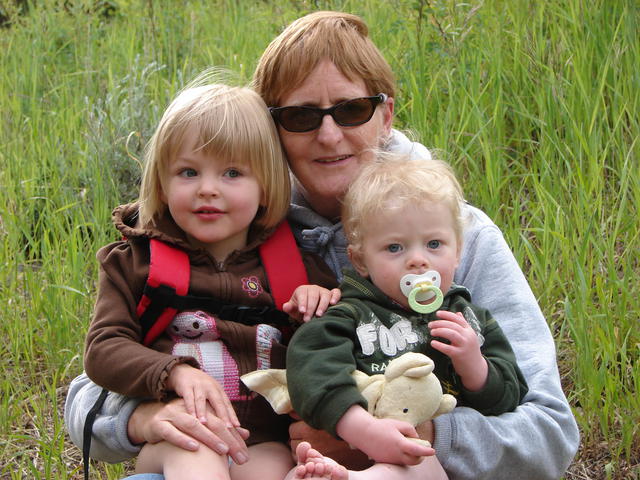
[[539, 439], [124, 424], [110, 441]]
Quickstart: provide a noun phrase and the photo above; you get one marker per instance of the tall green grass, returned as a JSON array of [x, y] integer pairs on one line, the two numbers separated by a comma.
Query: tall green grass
[[534, 103]]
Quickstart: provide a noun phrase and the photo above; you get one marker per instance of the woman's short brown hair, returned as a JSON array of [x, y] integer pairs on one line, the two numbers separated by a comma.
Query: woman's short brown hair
[[340, 37]]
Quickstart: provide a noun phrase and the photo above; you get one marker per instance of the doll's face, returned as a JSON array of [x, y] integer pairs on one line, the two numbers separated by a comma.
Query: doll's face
[[193, 327]]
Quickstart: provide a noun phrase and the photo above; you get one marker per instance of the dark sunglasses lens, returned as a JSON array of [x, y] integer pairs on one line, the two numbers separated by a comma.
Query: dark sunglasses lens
[[354, 112], [299, 119]]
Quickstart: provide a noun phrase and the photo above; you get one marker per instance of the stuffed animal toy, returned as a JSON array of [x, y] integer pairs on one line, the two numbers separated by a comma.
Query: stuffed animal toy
[[408, 390]]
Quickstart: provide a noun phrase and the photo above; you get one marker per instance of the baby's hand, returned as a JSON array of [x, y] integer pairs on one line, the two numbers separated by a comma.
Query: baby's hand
[[196, 389], [388, 441], [463, 348], [384, 440], [310, 300]]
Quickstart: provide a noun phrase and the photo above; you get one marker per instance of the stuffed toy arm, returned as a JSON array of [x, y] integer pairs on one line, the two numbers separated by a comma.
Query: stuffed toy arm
[[272, 385]]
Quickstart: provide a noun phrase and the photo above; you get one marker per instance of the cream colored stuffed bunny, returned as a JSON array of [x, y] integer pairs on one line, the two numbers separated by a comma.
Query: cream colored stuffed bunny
[[407, 391]]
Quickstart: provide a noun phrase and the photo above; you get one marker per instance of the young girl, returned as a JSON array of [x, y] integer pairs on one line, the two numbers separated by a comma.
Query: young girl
[[215, 185]]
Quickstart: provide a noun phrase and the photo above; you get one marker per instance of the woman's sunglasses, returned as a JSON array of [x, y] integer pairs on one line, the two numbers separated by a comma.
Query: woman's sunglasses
[[349, 113]]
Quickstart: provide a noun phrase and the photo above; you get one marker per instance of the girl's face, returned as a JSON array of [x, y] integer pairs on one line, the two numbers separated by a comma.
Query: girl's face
[[326, 160], [212, 200]]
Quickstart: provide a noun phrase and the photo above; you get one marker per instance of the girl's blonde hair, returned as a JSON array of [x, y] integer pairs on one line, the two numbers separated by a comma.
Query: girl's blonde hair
[[340, 37], [393, 181], [229, 122]]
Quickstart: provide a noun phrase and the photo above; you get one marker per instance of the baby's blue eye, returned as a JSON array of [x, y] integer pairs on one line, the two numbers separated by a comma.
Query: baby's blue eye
[[188, 172], [433, 244], [394, 247], [232, 173]]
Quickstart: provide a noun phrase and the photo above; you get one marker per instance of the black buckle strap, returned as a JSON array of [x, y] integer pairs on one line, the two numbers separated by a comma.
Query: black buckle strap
[[160, 297], [88, 430], [163, 297]]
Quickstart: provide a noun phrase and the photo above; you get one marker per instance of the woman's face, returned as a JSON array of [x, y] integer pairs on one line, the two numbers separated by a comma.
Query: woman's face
[[326, 160]]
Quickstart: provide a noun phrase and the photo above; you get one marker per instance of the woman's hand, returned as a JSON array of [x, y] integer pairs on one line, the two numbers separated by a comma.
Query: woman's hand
[[310, 300], [154, 422]]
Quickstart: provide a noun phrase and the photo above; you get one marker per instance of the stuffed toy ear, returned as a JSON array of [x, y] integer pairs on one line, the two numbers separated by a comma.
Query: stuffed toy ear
[[272, 385], [414, 365]]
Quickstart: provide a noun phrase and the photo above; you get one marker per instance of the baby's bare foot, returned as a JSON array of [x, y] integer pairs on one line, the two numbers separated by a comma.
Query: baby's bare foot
[[313, 465]]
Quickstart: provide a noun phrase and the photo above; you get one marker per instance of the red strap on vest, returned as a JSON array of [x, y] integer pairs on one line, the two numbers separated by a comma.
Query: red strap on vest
[[283, 264], [168, 266]]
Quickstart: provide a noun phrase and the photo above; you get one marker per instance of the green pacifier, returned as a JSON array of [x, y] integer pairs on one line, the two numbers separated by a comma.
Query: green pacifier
[[420, 288]]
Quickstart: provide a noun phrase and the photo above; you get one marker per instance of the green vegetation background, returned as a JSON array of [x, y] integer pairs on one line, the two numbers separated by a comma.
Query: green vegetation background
[[535, 103]]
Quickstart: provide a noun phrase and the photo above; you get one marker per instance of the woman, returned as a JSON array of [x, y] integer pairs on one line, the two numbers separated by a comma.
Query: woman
[[319, 62]]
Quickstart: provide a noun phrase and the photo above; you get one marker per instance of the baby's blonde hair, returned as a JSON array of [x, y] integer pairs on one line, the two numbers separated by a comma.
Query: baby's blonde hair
[[230, 122], [340, 37], [394, 181]]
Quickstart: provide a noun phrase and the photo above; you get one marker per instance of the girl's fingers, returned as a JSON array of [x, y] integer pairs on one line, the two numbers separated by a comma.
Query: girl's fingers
[[323, 304], [301, 299], [288, 307], [312, 302], [189, 402], [232, 415], [200, 402], [223, 407], [220, 407], [336, 294], [330, 297]]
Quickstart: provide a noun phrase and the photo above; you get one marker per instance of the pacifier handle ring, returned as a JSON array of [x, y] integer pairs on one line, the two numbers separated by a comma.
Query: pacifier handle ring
[[430, 307]]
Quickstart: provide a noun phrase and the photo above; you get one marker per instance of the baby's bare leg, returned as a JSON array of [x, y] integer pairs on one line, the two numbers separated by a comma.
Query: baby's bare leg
[[428, 469], [313, 465], [177, 464], [267, 461]]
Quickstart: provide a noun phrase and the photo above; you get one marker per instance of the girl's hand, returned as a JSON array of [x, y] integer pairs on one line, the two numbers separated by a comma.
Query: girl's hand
[[463, 350], [197, 388], [310, 300]]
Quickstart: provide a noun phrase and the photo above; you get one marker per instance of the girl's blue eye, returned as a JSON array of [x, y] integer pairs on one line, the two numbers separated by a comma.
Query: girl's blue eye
[[188, 172], [433, 244], [394, 247], [232, 173]]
